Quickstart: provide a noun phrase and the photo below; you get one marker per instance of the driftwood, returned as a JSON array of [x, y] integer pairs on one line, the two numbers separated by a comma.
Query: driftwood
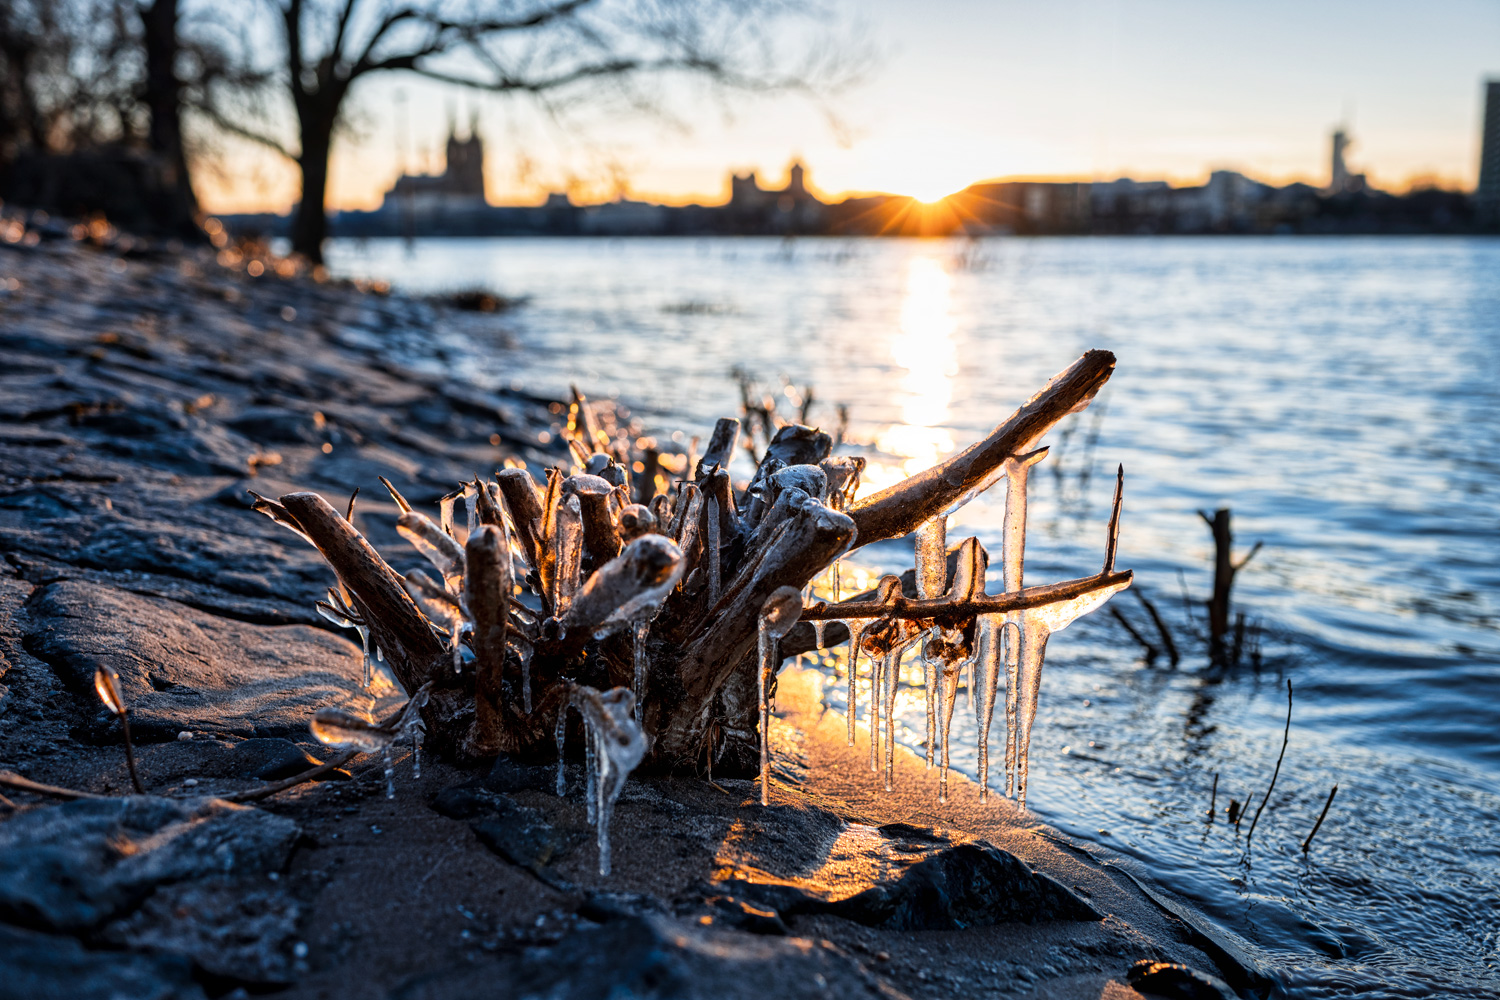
[[662, 593]]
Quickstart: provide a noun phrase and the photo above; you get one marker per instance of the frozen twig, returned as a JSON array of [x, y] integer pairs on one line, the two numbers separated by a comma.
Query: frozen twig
[[1321, 817], [1285, 736]]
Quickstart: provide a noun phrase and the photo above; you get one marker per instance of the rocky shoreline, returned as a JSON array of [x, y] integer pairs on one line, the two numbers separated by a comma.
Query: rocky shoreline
[[142, 393]]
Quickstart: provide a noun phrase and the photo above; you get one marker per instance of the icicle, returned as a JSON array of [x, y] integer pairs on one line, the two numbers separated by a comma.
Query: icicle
[[591, 775], [1017, 473], [390, 773], [561, 734], [948, 694], [1038, 625], [524, 652], [856, 634], [642, 627], [471, 506], [877, 665], [337, 611], [777, 616], [711, 545], [1012, 690], [818, 626], [615, 745], [988, 639], [929, 681], [1034, 638], [892, 676], [416, 751], [364, 643]]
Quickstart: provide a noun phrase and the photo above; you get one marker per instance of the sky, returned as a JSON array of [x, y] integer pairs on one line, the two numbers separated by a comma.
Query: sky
[[959, 91]]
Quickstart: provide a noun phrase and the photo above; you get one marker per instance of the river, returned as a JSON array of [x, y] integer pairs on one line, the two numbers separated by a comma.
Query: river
[[1342, 396]]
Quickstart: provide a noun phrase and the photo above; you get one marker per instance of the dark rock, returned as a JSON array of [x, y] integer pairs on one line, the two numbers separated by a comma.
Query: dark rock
[[514, 832], [183, 669], [508, 776], [1176, 982], [657, 957], [187, 445], [75, 866], [227, 931], [46, 967], [968, 885], [269, 758], [277, 425], [926, 881]]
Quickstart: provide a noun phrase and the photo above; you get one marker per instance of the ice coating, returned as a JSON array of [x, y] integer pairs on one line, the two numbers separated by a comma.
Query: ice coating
[[107, 687], [567, 542], [335, 727], [932, 558], [437, 547], [440, 606], [777, 616]]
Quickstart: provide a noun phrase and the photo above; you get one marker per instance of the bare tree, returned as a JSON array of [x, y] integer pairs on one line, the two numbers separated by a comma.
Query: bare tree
[[555, 51]]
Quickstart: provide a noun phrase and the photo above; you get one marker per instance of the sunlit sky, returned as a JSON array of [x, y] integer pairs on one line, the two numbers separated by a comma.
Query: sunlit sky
[[964, 90]]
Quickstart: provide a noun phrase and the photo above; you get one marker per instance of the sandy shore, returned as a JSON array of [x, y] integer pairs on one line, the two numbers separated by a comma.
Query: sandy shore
[[140, 397]]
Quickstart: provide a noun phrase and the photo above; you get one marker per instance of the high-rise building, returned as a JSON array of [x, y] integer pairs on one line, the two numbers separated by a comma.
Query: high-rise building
[[1338, 171], [1487, 197]]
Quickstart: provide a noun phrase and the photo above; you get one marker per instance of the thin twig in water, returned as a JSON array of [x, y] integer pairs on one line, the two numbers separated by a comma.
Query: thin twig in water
[[1151, 651], [1286, 734], [1213, 798], [1161, 626], [1187, 600], [7, 803], [1321, 817], [13, 780]]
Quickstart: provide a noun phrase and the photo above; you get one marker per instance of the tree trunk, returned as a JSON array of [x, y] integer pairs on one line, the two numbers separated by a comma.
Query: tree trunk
[[310, 222], [178, 210]]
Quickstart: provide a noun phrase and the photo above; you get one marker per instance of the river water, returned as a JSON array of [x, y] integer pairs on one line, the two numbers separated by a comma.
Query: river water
[[1342, 396]]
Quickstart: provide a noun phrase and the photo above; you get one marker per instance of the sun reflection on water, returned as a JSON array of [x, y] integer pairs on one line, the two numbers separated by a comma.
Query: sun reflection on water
[[924, 346]]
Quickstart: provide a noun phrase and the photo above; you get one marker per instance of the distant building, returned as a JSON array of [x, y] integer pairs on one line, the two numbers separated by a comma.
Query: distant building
[[1340, 180], [459, 188], [1487, 197], [792, 209]]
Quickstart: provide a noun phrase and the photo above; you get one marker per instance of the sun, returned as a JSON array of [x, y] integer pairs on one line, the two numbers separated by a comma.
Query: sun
[[929, 193]]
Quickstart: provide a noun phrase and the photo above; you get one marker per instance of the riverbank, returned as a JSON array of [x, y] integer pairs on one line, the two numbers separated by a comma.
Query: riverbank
[[142, 395]]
